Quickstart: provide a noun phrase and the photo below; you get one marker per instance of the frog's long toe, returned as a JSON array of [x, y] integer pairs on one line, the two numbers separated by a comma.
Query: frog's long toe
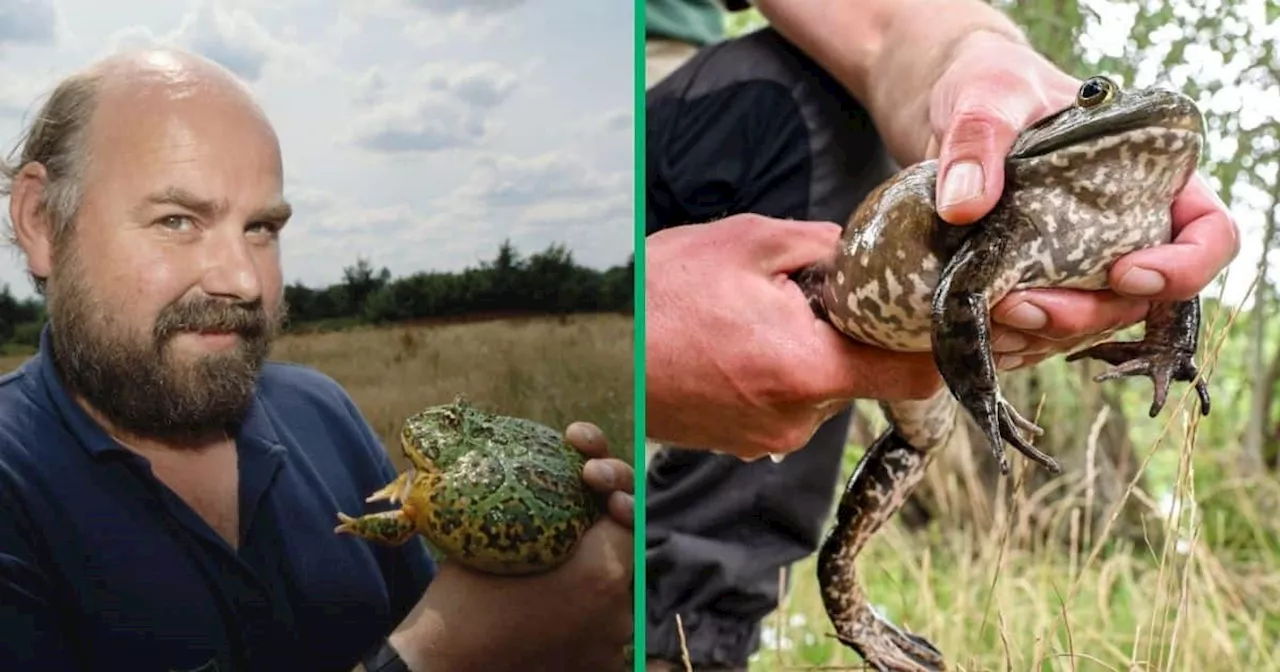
[[1165, 354], [1162, 364], [887, 648], [961, 338], [1010, 422]]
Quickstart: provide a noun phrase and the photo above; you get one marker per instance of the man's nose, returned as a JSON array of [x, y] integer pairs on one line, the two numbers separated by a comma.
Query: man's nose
[[231, 268]]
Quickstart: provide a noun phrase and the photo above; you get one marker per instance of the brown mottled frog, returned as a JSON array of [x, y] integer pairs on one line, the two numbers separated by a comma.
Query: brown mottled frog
[[1083, 187]]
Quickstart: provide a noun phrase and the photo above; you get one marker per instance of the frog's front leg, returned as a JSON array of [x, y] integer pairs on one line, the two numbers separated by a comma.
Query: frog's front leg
[[880, 485], [961, 337], [1167, 352], [388, 527], [395, 491]]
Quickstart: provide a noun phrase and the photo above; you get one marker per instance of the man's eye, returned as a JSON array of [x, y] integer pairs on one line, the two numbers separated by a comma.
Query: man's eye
[[176, 222]]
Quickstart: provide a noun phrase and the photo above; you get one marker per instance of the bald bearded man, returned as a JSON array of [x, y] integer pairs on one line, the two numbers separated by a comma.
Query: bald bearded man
[[169, 495]]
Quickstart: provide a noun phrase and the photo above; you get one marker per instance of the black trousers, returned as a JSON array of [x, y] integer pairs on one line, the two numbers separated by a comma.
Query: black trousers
[[748, 125]]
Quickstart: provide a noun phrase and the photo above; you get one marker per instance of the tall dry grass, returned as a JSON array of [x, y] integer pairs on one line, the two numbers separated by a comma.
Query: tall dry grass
[[1205, 597], [552, 370], [999, 599]]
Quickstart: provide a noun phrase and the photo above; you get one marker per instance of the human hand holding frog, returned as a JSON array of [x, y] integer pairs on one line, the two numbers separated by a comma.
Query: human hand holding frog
[[576, 617], [735, 359], [990, 90]]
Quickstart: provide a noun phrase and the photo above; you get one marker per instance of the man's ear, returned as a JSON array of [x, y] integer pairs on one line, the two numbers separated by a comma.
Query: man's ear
[[31, 223]]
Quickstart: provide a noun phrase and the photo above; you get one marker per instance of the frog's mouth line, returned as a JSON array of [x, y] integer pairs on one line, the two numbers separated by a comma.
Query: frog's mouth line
[[1134, 127]]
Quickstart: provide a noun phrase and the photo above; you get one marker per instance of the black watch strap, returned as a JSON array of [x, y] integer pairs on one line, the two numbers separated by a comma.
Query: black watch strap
[[385, 659]]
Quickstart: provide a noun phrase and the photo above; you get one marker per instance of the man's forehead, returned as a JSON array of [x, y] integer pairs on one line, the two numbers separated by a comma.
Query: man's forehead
[[166, 68], [164, 81]]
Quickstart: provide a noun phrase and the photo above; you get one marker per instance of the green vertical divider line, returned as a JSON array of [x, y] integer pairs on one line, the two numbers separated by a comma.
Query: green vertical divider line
[[638, 404]]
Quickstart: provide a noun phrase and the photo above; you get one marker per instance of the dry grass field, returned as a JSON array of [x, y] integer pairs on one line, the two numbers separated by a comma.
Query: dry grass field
[[551, 370], [1200, 592], [992, 602], [546, 369]]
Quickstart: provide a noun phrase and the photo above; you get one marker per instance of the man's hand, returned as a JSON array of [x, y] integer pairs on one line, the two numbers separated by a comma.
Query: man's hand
[[963, 90], [610, 477], [991, 89], [736, 359], [576, 617]]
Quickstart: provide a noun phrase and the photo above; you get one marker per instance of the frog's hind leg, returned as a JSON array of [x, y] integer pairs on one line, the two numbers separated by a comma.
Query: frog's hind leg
[[392, 528], [961, 338], [1166, 352], [880, 485]]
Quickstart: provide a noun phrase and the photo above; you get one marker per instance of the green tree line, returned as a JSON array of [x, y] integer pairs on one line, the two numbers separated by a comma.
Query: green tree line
[[546, 282]]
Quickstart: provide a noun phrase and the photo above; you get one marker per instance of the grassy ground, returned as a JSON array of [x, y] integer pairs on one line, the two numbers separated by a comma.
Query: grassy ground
[[1204, 597], [992, 603], [551, 370]]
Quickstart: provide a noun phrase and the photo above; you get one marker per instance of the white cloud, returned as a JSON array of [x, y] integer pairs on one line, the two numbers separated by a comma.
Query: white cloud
[[418, 135], [469, 6], [231, 36], [515, 181], [422, 122], [437, 108]]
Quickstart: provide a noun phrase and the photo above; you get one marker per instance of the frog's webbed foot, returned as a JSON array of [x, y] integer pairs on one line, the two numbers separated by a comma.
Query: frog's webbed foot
[[388, 527], [887, 648], [1165, 354], [882, 482], [962, 351]]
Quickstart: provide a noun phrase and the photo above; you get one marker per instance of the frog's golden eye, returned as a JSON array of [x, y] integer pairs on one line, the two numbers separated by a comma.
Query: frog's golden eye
[[1095, 91]]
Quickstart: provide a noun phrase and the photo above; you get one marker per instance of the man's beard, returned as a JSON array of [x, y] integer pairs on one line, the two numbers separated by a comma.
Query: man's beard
[[139, 385]]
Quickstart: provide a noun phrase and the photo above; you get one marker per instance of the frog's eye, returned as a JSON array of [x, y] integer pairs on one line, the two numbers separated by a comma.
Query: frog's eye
[[1095, 91]]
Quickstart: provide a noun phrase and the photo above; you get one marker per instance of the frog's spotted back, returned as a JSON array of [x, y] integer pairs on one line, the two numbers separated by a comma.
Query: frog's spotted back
[[499, 494]]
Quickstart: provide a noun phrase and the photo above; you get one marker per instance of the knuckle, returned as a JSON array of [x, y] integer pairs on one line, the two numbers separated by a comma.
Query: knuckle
[[975, 123], [1233, 232], [1067, 324], [780, 441], [611, 579]]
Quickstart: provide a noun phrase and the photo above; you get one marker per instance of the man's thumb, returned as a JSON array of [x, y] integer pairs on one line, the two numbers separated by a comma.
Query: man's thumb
[[971, 161]]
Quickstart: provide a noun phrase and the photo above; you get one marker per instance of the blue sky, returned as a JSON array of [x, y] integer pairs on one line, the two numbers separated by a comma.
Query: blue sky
[[416, 133]]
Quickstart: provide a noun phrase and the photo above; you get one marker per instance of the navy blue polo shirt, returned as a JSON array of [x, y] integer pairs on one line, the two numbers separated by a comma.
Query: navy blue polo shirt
[[103, 567]]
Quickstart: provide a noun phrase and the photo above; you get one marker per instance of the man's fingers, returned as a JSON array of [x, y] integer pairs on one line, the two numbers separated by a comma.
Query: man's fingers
[[622, 507], [784, 245], [588, 439], [1196, 201], [605, 475], [1062, 314], [1206, 239], [842, 370]]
